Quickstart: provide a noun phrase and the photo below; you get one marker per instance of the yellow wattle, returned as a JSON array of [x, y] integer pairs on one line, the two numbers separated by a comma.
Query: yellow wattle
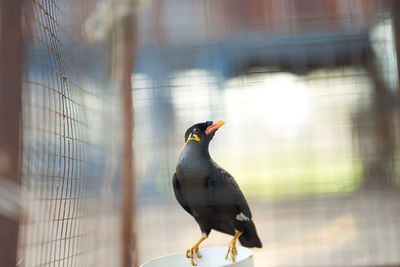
[[192, 136]]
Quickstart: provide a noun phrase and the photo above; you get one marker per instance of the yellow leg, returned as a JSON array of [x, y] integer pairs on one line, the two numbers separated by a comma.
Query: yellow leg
[[194, 250], [232, 246]]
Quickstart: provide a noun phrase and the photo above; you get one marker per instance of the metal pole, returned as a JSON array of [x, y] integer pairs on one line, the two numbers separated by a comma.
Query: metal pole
[[11, 57]]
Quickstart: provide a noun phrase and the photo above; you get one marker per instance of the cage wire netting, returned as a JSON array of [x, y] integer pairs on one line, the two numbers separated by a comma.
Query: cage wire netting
[[308, 91], [71, 138]]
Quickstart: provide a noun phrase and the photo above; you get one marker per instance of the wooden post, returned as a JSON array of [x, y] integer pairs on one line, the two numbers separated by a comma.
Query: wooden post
[[128, 228], [11, 57]]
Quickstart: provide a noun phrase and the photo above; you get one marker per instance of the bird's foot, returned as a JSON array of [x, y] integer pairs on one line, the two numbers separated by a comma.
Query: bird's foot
[[232, 246], [194, 251], [232, 250]]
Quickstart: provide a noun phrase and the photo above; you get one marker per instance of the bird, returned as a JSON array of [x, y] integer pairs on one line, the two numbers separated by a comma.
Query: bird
[[210, 194]]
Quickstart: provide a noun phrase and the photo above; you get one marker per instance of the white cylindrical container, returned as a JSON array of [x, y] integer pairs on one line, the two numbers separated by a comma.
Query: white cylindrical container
[[210, 257]]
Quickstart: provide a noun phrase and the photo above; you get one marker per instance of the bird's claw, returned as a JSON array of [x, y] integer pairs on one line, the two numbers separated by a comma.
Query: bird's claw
[[193, 251], [232, 246], [232, 250]]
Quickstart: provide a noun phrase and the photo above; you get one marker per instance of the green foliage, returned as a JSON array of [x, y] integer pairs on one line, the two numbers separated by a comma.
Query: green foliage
[[294, 175]]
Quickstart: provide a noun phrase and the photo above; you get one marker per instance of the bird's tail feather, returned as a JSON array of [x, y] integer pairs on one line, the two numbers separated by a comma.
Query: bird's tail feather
[[249, 238]]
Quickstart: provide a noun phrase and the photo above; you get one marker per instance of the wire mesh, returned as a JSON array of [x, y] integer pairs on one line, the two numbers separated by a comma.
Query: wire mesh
[[70, 179], [308, 92]]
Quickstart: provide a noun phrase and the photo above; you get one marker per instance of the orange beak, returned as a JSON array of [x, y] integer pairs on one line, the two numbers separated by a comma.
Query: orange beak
[[213, 127]]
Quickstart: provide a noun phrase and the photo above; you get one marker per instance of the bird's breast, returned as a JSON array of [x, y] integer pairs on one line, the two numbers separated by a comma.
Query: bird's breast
[[190, 175], [192, 172]]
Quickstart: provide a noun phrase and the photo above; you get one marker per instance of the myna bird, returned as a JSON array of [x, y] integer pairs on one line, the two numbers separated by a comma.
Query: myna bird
[[210, 194]]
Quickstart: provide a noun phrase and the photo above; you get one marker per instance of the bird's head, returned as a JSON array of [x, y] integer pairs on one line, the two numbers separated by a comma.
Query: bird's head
[[202, 133]]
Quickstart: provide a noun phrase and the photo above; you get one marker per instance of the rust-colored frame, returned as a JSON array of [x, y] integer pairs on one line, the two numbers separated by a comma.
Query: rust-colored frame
[[11, 61]]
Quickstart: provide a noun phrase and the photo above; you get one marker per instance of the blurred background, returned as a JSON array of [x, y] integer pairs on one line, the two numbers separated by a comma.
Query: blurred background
[[309, 93], [308, 89]]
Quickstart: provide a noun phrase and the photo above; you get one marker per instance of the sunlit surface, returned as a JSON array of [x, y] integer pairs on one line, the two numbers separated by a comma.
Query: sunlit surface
[[278, 102]]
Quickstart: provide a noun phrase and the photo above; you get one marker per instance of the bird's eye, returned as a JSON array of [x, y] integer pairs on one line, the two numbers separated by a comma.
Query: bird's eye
[[196, 130]]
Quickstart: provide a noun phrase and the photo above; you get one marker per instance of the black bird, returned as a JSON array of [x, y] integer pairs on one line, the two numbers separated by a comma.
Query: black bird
[[210, 194]]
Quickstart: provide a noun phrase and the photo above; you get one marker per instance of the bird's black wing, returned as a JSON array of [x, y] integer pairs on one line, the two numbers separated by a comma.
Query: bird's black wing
[[226, 191], [238, 196], [178, 194], [226, 194]]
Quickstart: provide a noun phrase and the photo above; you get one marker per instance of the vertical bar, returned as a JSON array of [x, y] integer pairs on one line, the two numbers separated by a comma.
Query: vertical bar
[[396, 24], [128, 235], [11, 56]]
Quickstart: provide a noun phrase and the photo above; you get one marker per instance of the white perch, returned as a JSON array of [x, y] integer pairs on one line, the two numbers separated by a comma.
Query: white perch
[[210, 257]]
